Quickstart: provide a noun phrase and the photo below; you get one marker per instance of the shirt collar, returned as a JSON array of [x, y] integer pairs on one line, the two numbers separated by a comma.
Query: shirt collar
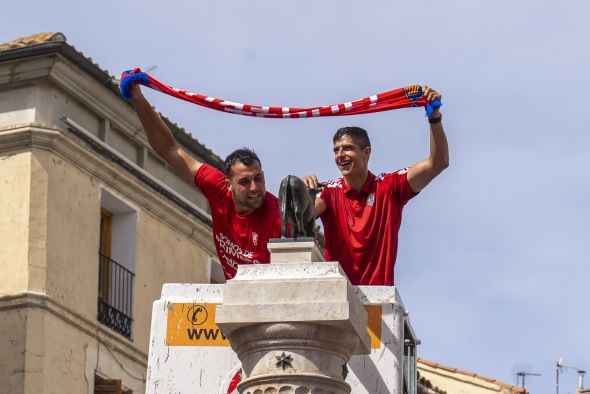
[[366, 189]]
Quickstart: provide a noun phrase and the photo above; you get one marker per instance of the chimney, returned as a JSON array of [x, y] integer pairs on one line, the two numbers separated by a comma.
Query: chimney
[[581, 379]]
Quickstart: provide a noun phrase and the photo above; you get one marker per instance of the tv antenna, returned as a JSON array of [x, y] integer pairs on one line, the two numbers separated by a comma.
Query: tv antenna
[[148, 69], [521, 375], [559, 368]]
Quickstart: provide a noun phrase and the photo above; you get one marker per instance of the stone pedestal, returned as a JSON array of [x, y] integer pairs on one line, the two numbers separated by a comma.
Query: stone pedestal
[[287, 250], [294, 325]]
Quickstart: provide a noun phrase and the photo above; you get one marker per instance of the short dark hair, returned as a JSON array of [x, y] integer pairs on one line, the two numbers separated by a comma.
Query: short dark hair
[[358, 134], [243, 155]]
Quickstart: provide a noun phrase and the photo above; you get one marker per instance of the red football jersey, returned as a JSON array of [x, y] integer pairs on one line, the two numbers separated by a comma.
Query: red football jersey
[[361, 228], [239, 239]]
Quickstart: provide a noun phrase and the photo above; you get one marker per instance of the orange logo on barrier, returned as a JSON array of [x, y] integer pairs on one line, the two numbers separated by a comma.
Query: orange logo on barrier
[[374, 313], [192, 324]]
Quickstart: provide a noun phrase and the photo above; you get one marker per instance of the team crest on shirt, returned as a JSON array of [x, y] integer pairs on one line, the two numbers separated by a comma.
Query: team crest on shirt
[[255, 238], [371, 199]]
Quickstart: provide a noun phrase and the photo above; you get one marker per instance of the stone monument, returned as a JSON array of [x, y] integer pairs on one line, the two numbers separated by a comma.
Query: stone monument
[[294, 323]]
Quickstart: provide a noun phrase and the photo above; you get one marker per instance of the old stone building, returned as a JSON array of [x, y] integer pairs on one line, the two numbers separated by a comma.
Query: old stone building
[[92, 223], [437, 378]]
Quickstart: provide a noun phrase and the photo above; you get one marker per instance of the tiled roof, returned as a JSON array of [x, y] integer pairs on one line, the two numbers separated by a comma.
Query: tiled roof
[[39, 38], [471, 374]]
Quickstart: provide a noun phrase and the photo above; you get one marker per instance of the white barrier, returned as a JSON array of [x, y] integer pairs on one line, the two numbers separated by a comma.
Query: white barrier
[[189, 354]]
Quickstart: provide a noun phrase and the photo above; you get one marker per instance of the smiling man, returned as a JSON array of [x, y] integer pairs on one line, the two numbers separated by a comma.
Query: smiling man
[[361, 212], [244, 215]]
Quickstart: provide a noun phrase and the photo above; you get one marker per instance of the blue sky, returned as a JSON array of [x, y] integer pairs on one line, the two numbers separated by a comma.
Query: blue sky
[[493, 259]]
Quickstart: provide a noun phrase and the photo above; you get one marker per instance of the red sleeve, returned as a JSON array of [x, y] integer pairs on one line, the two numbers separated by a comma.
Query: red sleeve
[[326, 197], [211, 182], [401, 186]]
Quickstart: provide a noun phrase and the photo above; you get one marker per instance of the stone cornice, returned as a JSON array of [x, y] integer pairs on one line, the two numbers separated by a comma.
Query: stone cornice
[[196, 225], [103, 101], [62, 64], [91, 328], [110, 105]]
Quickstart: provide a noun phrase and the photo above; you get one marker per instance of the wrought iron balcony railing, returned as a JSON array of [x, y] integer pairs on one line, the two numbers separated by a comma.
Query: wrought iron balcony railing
[[115, 295]]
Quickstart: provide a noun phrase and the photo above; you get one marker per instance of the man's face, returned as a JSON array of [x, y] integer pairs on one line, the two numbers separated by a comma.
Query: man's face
[[247, 187], [351, 159]]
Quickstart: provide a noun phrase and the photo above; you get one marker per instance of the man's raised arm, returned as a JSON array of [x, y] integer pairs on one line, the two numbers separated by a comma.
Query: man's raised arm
[[161, 139], [424, 171]]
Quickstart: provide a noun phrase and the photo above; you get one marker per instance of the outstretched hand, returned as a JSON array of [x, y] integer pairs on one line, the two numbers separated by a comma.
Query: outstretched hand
[[128, 85], [434, 102], [431, 94]]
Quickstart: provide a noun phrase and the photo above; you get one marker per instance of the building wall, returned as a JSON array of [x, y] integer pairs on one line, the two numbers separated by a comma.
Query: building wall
[[45, 90], [15, 181], [52, 187], [13, 323], [457, 382], [72, 220]]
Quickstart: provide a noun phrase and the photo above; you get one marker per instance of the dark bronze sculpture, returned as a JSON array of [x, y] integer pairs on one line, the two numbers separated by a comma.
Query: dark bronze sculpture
[[296, 203]]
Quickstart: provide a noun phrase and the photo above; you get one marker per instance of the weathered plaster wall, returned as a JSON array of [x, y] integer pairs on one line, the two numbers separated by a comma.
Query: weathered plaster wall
[[58, 360], [17, 106], [163, 256], [15, 181], [54, 104], [73, 223], [12, 348]]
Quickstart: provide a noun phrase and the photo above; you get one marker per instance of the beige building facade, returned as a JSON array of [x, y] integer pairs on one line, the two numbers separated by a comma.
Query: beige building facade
[[92, 223], [438, 379]]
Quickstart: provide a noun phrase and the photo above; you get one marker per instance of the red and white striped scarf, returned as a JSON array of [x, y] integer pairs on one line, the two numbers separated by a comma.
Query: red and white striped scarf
[[411, 96]]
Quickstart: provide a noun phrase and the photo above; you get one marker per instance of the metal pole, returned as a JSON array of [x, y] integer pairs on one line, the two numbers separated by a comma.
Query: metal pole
[[557, 378]]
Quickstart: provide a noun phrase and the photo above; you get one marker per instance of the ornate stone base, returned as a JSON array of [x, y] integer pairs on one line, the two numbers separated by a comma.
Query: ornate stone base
[[293, 356], [294, 388]]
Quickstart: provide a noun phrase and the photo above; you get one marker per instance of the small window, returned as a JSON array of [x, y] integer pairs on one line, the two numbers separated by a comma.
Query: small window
[[116, 256], [109, 386], [106, 230]]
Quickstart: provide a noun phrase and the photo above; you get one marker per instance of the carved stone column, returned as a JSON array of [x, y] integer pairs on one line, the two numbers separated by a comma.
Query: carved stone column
[[293, 325]]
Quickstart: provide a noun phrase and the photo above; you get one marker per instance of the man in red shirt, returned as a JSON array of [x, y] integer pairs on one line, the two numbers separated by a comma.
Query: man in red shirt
[[244, 215], [361, 212]]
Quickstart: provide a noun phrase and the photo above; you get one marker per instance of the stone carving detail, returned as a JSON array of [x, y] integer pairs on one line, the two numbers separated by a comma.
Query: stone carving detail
[[284, 361], [296, 203]]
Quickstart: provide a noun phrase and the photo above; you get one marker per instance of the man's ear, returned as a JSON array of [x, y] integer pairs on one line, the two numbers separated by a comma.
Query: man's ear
[[227, 183], [368, 151]]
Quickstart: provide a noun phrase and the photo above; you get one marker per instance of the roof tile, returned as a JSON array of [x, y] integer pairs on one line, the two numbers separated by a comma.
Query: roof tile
[[472, 374], [39, 38]]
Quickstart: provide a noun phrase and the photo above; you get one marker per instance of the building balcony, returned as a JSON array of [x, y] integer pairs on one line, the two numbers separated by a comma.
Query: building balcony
[[115, 296]]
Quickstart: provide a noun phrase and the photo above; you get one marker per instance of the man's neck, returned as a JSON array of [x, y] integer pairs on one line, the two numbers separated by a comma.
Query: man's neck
[[356, 182], [244, 211]]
